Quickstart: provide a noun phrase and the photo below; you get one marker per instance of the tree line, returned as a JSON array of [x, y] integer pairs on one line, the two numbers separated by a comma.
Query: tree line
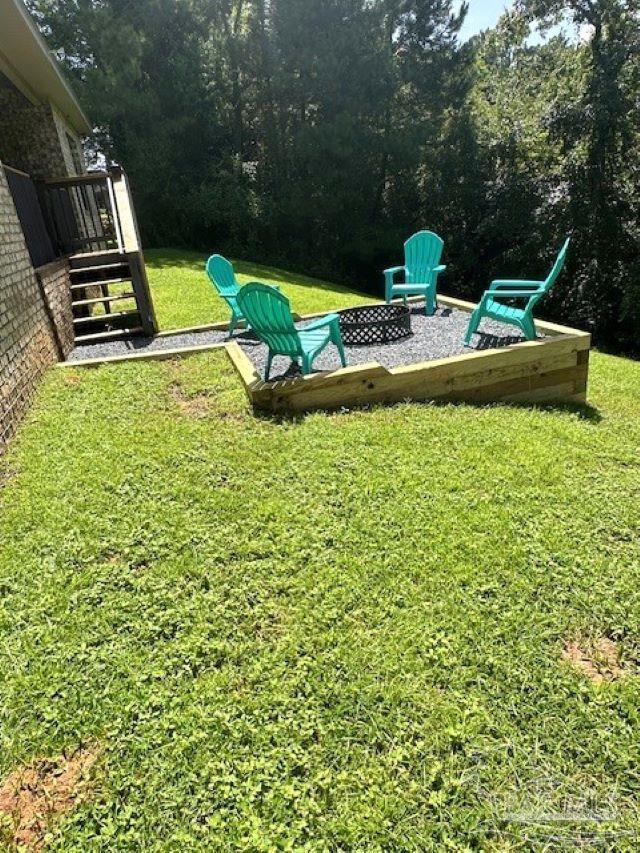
[[319, 135]]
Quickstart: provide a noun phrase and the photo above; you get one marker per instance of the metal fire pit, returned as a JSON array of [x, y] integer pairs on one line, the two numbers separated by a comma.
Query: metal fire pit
[[374, 324]]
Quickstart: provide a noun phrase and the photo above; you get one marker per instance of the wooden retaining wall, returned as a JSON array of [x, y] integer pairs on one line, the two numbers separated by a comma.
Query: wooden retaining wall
[[554, 368], [551, 369]]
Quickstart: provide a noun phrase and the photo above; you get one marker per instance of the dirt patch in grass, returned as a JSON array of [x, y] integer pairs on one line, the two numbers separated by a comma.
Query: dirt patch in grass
[[31, 797], [202, 405], [598, 660], [197, 406], [72, 378]]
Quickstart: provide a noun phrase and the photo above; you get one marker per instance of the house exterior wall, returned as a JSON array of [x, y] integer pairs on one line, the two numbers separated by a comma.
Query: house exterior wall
[[68, 139], [33, 137], [36, 327]]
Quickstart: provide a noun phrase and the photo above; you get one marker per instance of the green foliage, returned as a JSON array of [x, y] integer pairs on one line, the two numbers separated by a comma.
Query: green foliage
[[576, 122], [320, 135], [380, 671], [183, 296]]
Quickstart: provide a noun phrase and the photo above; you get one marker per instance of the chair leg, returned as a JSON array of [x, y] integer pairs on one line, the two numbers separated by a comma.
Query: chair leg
[[233, 323], [529, 328], [306, 364], [268, 367], [388, 288], [472, 328], [336, 337], [429, 302]]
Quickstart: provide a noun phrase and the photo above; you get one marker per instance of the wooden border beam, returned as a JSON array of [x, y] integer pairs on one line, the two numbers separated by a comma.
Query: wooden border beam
[[555, 368]]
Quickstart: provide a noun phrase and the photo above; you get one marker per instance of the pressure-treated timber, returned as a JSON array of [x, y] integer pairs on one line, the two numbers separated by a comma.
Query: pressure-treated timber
[[551, 369], [554, 368], [155, 355]]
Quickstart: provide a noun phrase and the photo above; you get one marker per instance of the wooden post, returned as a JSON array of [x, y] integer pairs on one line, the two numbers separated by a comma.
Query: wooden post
[[130, 236]]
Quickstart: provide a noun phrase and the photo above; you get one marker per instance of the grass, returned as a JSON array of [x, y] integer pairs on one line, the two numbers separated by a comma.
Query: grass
[[341, 632], [183, 296]]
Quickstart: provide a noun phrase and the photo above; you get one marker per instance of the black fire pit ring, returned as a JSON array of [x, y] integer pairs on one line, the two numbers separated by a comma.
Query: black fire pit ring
[[374, 324]]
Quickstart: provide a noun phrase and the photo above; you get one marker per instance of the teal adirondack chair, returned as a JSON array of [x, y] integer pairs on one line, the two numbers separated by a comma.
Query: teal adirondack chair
[[521, 317], [269, 313], [223, 278], [422, 254]]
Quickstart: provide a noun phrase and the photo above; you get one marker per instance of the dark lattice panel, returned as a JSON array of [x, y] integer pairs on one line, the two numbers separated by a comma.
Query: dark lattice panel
[[375, 324], [25, 198]]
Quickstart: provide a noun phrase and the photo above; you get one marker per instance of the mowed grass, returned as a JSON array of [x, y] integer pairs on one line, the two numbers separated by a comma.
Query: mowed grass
[[342, 632], [183, 295]]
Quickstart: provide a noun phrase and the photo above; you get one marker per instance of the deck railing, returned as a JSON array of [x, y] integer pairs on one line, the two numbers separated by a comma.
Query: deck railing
[[90, 219], [81, 213]]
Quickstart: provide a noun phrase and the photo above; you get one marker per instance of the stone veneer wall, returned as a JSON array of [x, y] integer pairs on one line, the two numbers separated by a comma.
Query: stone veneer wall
[[36, 327]]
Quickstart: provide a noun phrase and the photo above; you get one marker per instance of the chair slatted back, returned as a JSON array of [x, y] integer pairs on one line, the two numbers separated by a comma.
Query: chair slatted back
[[557, 267], [269, 314], [553, 275], [422, 253], [222, 276]]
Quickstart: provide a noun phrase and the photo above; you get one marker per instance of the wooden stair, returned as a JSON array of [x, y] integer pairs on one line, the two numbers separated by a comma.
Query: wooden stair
[[112, 335], [103, 298], [95, 300]]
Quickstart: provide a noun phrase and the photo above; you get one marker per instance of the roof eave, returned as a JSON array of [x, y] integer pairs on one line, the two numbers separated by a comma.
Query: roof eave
[[51, 82]]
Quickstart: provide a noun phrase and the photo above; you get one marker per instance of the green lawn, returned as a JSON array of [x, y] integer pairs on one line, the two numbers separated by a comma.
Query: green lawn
[[341, 632], [183, 296]]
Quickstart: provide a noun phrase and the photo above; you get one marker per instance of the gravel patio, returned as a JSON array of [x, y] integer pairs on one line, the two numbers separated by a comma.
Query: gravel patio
[[435, 337]]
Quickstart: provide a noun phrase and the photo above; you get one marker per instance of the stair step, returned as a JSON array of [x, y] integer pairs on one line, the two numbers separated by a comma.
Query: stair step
[[100, 281], [101, 256], [116, 298], [81, 255], [96, 337], [92, 269], [101, 318]]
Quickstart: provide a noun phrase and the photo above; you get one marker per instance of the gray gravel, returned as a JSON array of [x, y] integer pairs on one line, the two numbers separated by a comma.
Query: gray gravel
[[439, 336], [140, 344]]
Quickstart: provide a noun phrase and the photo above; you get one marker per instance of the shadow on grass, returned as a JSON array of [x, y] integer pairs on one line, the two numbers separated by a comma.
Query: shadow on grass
[[174, 258], [258, 271], [584, 411]]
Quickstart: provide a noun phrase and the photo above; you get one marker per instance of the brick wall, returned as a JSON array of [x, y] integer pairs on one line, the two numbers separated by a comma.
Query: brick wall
[[55, 293], [36, 327], [67, 139], [33, 137]]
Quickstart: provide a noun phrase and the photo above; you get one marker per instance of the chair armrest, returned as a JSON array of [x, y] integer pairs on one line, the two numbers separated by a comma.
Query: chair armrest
[[274, 286], [321, 321], [389, 283], [441, 268], [513, 284], [514, 293]]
